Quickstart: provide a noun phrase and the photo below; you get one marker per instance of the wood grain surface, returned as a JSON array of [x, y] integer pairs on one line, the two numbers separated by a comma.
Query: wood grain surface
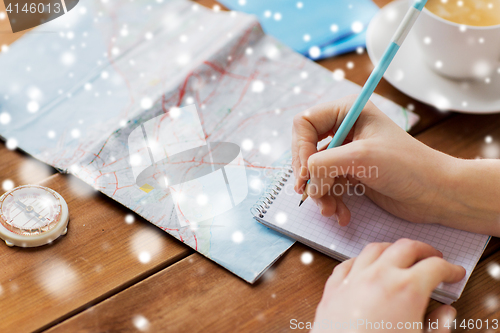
[[100, 255], [20, 168], [107, 275], [196, 295], [6, 35]]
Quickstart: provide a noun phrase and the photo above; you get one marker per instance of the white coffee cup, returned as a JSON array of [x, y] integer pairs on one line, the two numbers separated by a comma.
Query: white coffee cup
[[458, 51]]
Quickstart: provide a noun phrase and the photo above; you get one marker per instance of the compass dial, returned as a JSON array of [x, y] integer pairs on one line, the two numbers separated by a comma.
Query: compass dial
[[30, 210], [32, 215]]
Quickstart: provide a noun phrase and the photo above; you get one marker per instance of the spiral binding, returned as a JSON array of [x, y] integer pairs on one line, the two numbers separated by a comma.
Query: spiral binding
[[266, 200]]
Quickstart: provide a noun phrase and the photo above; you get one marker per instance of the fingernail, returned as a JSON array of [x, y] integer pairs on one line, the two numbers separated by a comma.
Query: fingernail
[[338, 220]]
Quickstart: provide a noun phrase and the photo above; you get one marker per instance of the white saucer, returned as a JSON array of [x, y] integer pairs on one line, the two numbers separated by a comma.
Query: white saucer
[[412, 76]]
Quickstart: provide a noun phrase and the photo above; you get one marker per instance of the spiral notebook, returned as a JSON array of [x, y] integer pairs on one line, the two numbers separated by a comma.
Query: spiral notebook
[[278, 209]]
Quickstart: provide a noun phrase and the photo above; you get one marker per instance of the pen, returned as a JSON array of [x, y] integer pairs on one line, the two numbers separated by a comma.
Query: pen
[[367, 90]]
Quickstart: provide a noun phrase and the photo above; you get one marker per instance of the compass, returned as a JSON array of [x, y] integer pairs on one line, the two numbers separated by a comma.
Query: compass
[[32, 215]]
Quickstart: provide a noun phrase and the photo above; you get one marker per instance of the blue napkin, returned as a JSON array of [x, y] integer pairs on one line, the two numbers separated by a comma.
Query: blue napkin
[[315, 28]]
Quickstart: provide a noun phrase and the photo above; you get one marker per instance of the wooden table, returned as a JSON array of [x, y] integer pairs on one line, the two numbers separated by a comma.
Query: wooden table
[[92, 281]]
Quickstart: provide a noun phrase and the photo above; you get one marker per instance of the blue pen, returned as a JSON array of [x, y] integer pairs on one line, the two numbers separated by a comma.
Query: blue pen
[[367, 90]]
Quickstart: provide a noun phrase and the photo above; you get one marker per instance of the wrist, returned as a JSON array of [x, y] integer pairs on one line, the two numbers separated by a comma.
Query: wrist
[[472, 193], [442, 200]]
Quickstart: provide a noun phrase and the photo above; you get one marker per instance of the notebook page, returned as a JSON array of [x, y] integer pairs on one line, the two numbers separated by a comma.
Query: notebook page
[[369, 223]]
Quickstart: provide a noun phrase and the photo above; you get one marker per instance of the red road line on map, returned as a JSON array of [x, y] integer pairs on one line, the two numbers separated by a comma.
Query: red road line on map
[[244, 91], [244, 38], [164, 228], [223, 71], [182, 89]]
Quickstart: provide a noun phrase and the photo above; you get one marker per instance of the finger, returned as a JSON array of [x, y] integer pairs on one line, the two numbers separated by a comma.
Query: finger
[[337, 191], [320, 184], [300, 170], [330, 205], [346, 160], [338, 187], [327, 205], [339, 274], [368, 256], [432, 271], [304, 143], [326, 118], [328, 202], [436, 320], [406, 252], [343, 213], [295, 159], [315, 124]]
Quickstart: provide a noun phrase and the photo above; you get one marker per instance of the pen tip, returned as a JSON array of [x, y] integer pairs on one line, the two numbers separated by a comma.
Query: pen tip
[[301, 202]]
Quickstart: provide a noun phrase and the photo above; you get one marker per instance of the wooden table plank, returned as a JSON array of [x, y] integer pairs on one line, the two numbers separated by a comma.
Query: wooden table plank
[[20, 168], [7, 37], [465, 135], [480, 299], [100, 255], [492, 248], [197, 295]]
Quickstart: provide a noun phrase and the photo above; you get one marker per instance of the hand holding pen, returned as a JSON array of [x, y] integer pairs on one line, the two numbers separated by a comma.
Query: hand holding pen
[[375, 77]]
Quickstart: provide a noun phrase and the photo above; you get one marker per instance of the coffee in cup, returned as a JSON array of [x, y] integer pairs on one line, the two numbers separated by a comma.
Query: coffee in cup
[[460, 39], [477, 13]]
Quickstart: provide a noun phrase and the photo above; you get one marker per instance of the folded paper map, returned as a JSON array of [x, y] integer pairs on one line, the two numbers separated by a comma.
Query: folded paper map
[[76, 89]]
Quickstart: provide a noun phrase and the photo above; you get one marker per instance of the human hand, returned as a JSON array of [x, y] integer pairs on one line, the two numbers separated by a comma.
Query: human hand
[[398, 172], [387, 284]]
